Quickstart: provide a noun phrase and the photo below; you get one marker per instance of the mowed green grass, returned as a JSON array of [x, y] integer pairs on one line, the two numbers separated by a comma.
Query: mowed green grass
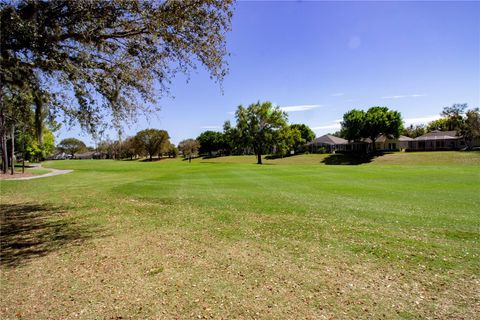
[[224, 238]]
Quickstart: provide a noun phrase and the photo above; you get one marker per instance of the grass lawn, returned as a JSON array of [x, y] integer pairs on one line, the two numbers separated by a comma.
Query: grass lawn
[[223, 238], [37, 172]]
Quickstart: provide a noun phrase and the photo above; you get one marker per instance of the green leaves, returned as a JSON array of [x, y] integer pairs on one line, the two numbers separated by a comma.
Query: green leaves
[[376, 121], [211, 141], [108, 59], [71, 146], [257, 124], [152, 142], [353, 123]]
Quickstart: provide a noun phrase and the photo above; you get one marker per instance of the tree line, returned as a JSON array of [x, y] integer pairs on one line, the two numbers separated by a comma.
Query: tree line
[[260, 128], [359, 124]]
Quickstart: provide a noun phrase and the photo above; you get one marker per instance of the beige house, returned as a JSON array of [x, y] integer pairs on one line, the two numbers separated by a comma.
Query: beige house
[[438, 140], [386, 143], [329, 142], [382, 143]]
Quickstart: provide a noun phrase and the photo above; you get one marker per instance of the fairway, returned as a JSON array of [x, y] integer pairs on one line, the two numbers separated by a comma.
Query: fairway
[[223, 238]]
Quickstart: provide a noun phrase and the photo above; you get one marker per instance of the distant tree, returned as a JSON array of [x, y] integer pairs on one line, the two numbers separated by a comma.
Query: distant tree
[[172, 151], [28, 146], [452, 119], [352, 124], [71, 146], [233, 143], [210, 141], [105, 147], [471, 127], [257, 124], [414, 131], [287, 139], [339, 134], [305, 132], [438, 125], [381, 120], [89, 59], [128, 148], [152, 142], [189, 148], [376, 121], [306, 136], [454, 116]]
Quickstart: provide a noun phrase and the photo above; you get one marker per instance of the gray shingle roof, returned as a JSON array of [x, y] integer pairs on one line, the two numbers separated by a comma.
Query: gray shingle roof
[[329, 139], [383, 138], [438, 135]]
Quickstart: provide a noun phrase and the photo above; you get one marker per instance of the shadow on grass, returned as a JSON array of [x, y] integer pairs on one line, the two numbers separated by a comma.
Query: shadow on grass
[[154, 159], [30, 231], [350, 159], [276, 156]]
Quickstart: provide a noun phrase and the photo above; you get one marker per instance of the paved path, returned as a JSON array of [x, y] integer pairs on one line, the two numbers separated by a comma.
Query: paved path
[[53, 172]]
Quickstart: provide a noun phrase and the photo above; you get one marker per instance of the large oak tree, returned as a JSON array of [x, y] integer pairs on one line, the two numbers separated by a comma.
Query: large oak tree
[[71, 146], [257, 125], [104, 62], [152, 142]]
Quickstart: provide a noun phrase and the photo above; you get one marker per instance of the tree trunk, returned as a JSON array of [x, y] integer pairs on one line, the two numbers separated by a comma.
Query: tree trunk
[[4, 151], [13, 150], [189, 159], [3, 140], [374, 146], [39, 119], [151, 157], [259, 158]]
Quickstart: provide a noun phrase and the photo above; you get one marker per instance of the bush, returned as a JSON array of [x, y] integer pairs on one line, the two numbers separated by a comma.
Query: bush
[[322, 150]]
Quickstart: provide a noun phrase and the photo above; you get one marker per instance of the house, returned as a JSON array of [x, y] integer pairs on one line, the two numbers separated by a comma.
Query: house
[[438, 140], [382, 143], [435, 140], [388, 143], [329, 142], [60, 156], [87, 155]]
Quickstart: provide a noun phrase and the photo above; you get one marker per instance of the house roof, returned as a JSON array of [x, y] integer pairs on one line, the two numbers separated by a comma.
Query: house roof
[[438, 135], [85, 154], [405, 138], [383, 138], [329, 139]]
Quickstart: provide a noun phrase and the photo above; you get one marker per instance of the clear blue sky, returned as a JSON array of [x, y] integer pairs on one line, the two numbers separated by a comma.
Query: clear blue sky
[[321, 59]]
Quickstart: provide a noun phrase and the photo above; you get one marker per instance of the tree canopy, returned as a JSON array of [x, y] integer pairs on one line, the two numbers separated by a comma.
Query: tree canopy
[[257, 124], [352, 124], [381, 120], [286, 139], [100, 62], [471, 128], [371, 124], [414, 131], [152, 142], [210, 141], [306, 136], [71, 146], [457, 118], [189, 148]]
